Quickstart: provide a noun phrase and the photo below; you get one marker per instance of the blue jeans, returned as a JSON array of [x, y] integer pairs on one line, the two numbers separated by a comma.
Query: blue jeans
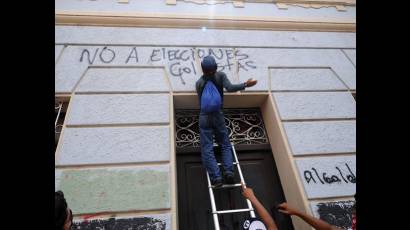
[[210, 124]]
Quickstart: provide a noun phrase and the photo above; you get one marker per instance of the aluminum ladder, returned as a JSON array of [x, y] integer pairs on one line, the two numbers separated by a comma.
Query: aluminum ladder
[[215, 212]]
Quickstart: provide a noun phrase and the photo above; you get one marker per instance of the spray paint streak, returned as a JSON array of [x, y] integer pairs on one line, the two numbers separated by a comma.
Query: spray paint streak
[[145, 223], [337, 213]]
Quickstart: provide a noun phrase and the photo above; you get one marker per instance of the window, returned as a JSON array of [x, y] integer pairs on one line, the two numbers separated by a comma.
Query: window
[[60, 109], [245, 126]]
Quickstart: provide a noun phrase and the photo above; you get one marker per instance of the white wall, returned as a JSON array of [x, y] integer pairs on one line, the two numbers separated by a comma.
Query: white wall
[[120, 80]]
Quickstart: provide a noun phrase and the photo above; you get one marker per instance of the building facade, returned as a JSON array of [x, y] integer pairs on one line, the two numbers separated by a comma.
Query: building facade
[[125, 73]]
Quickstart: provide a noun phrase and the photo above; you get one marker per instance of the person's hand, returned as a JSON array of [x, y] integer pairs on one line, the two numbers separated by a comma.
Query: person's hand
[[247, 192], [285, 208], [250, 82]]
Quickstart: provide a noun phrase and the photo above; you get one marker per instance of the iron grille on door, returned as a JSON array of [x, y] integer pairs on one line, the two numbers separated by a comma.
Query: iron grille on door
[[245, 126]]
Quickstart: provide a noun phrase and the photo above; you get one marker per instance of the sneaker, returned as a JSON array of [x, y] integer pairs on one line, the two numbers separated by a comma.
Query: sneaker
[[217, 183], [229, 178]]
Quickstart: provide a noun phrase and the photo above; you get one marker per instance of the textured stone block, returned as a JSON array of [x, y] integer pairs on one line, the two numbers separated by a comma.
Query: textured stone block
[[288, 79], [179, 62], [197, 37], [263, 58], [57, 178], [76, 59], [58, 50], [124, 80], [315, 105], [351, 53], [119, 109], [69, 70], [116, 189], [113, 145], [328, 176], [321, 137], [342, 66], [183, 68], [181, 65]]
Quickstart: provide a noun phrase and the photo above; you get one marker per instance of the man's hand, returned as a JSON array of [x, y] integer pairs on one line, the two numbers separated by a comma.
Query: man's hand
[[247, 193], [250, 82], [285, 208]]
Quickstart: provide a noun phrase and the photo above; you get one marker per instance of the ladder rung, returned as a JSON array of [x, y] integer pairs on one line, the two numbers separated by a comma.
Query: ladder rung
[[235, 163], [233, 211], [211, 194], [228, 186]]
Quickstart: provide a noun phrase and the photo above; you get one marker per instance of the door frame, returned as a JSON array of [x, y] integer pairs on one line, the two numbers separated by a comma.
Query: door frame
[[291, 182]]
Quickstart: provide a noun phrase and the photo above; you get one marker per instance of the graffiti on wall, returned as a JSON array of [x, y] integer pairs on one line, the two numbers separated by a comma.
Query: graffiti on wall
[[146, 223], [316, 176], [328, 176], [180, 62], [337, 213]]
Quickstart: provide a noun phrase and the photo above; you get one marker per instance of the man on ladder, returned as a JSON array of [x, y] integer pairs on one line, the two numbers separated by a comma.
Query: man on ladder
[[211, 119]]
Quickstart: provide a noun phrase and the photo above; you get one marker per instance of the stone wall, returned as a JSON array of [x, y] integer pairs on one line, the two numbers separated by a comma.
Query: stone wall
[[115, 151]]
